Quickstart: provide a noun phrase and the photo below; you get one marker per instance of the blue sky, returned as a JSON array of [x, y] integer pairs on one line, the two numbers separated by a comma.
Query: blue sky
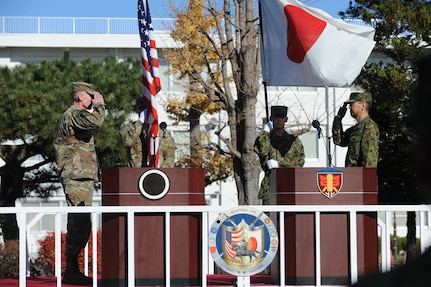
[[119, 8]]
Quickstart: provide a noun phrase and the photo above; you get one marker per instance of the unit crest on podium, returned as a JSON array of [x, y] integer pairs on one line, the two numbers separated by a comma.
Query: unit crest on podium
[[329, 181]]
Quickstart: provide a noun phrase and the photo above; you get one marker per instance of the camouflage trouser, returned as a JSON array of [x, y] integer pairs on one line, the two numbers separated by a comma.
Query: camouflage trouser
[[264, 193], [78, 193]]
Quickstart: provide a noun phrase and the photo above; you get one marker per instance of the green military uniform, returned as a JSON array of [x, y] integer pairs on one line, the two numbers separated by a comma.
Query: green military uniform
[[167, 149], [75, 152], [362, 140], [131, 136], [287, 150], [78, 166], [74, 143]]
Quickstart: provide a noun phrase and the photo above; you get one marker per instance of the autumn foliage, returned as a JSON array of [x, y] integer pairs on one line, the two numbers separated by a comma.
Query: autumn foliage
[[47, 253]]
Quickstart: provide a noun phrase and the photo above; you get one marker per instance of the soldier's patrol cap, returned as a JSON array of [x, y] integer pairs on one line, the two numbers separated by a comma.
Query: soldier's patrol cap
[[359, 97], [279, 111], [139, 103], [83, 86]]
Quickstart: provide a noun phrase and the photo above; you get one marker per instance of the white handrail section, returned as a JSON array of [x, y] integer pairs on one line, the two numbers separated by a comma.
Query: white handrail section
[[208, 212], [89, 25], [77, 25]]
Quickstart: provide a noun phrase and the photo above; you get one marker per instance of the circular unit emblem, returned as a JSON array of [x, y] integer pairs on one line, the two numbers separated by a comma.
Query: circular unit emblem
[[153, 184], [243, 241]]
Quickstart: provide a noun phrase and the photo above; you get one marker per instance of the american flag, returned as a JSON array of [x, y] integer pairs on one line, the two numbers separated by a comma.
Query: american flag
[[233, 237], [150, 79]]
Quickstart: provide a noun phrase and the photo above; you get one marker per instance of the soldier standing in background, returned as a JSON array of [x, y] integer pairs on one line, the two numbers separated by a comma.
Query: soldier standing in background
[[362, 140], [277, 148], [77, 162], [135, 138]]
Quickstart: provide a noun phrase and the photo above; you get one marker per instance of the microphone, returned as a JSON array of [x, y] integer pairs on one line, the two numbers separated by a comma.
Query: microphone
[[316, 125], [163, 126]]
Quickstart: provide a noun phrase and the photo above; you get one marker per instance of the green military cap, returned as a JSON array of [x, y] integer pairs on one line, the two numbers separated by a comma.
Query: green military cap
[[83, 86], [279, 111], [359, 97]]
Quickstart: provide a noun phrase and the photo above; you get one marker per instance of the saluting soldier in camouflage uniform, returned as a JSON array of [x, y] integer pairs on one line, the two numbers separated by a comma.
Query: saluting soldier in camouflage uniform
[[362, 140], [134, 138], [277, 148], [77, 162]]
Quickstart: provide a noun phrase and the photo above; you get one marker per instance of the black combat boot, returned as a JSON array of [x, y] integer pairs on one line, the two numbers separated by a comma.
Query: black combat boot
[[78, 231], [73, 276]]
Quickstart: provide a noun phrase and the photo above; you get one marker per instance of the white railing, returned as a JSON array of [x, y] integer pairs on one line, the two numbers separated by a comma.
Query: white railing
[[208, 214], [78, 25], [82, 25]]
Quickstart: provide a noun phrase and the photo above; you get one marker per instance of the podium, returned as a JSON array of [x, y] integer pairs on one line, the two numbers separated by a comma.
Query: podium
[[121, 187], [320, 186]]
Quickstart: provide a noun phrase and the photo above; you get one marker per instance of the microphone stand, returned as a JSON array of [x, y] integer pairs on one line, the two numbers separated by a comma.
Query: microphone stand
[[153, 155], [329, 151], [327, 145], [145, 143]]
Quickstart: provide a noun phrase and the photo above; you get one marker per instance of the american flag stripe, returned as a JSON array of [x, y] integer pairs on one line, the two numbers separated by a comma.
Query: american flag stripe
[[150, 79], [233, 237], [229, 251]]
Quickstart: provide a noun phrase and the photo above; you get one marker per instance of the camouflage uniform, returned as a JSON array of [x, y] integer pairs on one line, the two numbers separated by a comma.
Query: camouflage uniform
[[131, 136], [287, 150], [362, 141], [167, 149], [74, 144], [78, 166], [131, 139]]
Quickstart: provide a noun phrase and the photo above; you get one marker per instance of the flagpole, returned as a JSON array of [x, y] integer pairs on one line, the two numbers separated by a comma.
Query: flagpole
[[328, 138], [262, 62], [266, 101]]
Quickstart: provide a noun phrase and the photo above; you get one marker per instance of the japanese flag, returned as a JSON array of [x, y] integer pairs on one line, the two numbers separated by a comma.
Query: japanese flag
[[304, 46]]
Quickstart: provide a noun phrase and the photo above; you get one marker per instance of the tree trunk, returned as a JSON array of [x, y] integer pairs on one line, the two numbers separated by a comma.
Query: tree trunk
[[11, 189], [195, 132], [411, 236], [246, 71], [246, 168]]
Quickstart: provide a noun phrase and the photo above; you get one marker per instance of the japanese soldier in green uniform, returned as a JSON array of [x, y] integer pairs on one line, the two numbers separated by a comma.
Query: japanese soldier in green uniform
[[277, 148], [361, 140]]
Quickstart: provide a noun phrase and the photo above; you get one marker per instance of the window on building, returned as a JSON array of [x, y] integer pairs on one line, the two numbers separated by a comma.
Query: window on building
[[310, 143]]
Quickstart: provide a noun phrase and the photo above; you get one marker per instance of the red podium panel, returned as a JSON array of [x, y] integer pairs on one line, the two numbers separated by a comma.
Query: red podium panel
[[120, 188], [300, 186]]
